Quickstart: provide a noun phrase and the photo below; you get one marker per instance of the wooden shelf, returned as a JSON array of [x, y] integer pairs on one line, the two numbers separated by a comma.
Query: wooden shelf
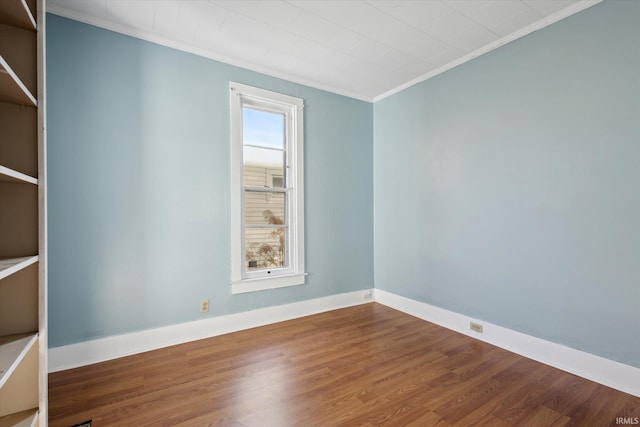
[[11, 87], [23, 302], [21, 419], [18, 48], [9, 175], [17, 14], [19, 363], [13, 349], [8, 266]]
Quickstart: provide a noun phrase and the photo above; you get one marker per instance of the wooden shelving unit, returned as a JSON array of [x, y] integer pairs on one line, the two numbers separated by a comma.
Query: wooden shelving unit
[[8, 266], [21, 419], [23, 286], [9, 175], [19, 14], [12, 89]]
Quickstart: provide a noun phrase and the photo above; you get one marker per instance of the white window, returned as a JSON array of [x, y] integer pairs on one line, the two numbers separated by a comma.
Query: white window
[[267, 216]]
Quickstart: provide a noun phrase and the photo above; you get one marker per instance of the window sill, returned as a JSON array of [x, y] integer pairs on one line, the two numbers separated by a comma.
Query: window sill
[[264, 283]]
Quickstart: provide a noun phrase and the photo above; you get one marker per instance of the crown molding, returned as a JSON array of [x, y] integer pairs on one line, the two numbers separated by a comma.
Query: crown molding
[[538, 25]]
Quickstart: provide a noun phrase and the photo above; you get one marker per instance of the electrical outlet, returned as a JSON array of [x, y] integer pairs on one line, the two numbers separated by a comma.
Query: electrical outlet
[[368, 295], [204, 306], [476, 327]]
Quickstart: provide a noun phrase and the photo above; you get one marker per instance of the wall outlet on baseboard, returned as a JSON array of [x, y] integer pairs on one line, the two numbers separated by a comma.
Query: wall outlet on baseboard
[[368, 295], [477, 327], [204, 306]]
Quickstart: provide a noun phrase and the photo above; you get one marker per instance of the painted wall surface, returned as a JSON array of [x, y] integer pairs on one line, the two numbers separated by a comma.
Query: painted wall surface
[[139, 186], [507, 188]]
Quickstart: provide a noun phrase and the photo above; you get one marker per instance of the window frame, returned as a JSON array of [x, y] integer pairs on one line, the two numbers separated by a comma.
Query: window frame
[[293, 274]]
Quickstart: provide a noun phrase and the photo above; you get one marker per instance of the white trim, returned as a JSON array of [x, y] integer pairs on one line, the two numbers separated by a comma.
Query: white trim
[[43, 257], [613, 374], [266, 95], [538, 25], [293, 110], [264, 283], [99, 350]]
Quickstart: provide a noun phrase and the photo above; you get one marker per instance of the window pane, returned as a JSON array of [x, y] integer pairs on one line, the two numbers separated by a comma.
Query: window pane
[[262, 128], [261, 165], [277, 181], [264, 208], [264, 248]]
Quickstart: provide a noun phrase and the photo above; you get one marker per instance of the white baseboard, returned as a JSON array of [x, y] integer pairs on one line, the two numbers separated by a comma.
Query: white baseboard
[[595, 368], [100, 350]]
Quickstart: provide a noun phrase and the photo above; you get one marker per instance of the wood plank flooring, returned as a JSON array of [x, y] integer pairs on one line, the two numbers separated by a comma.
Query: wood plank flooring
[[366, 365]]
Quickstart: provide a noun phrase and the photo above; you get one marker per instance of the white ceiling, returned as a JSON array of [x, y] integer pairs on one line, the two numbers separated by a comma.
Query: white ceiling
[[366, 49]]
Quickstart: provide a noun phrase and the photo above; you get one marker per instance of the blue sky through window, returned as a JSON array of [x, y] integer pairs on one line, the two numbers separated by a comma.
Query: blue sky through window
[[262, 128]]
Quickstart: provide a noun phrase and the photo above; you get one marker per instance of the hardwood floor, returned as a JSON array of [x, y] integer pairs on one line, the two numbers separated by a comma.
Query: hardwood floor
[[365, 365]]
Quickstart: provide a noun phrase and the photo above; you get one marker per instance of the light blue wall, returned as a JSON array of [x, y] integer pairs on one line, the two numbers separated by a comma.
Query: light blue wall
[[139, 186], [508, 188]]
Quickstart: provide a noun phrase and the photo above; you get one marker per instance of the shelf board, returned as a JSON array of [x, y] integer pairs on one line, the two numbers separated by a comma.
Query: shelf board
[[13, 348], [8, 266], [17, 14], [27, 418], [11, 87], [9, 175]]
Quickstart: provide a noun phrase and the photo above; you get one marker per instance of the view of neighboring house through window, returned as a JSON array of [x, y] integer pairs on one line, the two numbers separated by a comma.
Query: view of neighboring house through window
[[264, 159], [267, 189]]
